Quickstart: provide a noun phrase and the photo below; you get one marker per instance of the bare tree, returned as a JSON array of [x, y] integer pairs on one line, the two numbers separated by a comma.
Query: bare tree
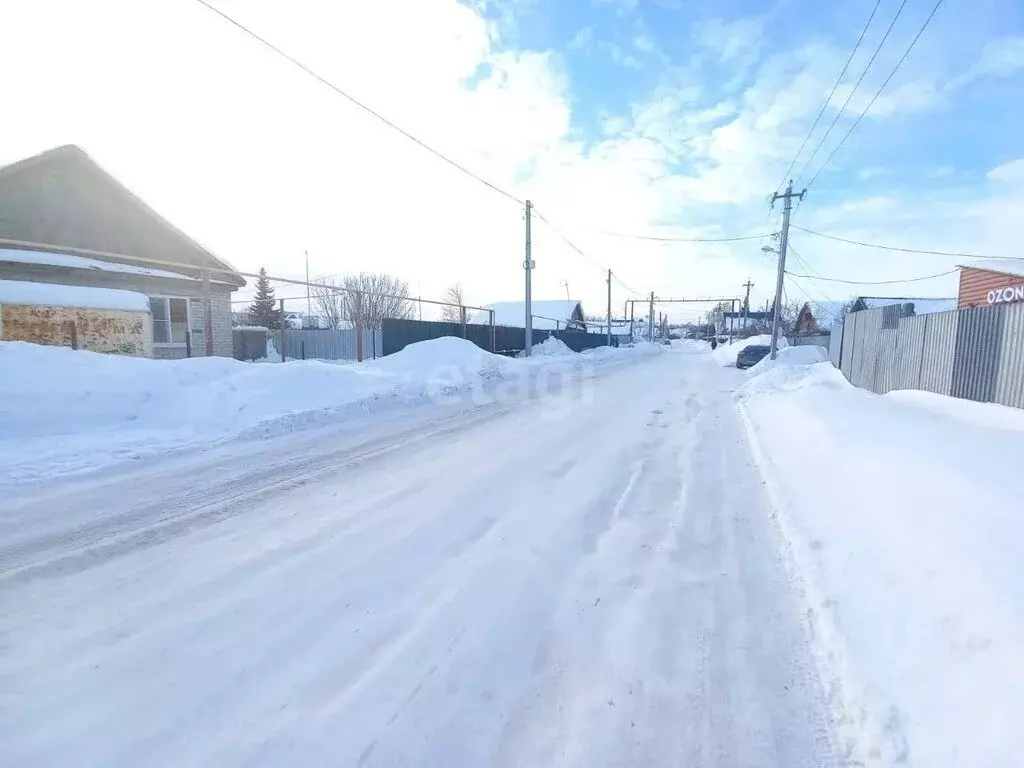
[[452, 314], [369, 298], [789, 311], [329, 301]]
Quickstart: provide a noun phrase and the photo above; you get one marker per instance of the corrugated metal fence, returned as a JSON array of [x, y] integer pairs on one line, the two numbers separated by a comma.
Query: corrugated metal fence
[[338, 344], [397, 334], [976, 354]]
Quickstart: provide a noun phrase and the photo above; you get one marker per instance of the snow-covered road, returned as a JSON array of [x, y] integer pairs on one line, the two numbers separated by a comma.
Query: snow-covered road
[[589, 582]]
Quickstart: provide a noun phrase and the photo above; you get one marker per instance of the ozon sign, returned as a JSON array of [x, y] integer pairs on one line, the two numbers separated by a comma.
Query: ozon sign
[[1005, 295]]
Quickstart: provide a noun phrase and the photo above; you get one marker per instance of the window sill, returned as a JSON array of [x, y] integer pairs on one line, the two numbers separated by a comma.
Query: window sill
[[169, 345]]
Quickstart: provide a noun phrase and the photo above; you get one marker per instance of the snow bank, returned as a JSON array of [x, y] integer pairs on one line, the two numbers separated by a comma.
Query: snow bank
[[550, 347], [904, 517], [725, 354], [80, 297], [63, 411], [990, 415]]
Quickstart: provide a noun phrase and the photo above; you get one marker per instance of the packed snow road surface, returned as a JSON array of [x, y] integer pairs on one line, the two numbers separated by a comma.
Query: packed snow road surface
[[593, 580]]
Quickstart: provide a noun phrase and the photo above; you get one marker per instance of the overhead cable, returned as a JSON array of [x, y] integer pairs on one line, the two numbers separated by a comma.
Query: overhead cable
[[877, 93], [906, 250], [831, 93], [849, 97], [358, 103], [682, 239], [874, 282], [582, 253]]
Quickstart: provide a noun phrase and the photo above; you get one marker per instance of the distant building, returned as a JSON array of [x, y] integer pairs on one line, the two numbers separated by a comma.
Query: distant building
[[743, 323], [990, 282], [918, 306], [548, 314]]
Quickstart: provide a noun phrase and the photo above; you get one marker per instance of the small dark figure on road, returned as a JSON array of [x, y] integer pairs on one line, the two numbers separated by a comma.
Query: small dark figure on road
[[714, 343]]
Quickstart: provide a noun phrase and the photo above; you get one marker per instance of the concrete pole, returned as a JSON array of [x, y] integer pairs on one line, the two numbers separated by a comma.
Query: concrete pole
[[528, 268], [783, 246], [650, 320], [207, 313], [609, 307]]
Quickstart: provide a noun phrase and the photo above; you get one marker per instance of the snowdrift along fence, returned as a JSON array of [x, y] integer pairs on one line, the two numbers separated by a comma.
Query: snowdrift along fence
[[975, 354], [397, 334]]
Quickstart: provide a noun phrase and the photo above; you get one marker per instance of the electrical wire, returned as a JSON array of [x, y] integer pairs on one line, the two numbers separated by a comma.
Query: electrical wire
[[358, 103], [852, 92], [906, 250], [682, 239], [875, 282], [877, 93], [830, 95], [582, 253], [809, 270]]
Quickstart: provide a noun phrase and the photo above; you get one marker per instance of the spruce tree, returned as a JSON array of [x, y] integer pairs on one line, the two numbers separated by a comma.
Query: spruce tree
[[264, 310]]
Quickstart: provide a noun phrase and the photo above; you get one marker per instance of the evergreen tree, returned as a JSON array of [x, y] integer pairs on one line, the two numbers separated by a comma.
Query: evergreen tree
[[264, 310]]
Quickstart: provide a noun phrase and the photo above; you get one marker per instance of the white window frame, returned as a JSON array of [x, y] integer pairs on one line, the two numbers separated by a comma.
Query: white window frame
[[188, 320]]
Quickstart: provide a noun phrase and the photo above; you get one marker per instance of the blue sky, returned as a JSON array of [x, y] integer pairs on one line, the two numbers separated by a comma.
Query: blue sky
[[619, 53], [669, 118]]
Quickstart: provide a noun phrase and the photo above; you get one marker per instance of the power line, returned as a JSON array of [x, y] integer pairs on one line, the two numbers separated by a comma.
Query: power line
[[878, 92], [582, 253], [906, 250], [830, 95], [810, 271], [682, 239], [875, 282], [852, 92], [358, 103]]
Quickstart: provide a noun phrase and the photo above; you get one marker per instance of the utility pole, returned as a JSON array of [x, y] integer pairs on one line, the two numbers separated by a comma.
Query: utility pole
[[609, 307], [783, 245], [309, 302], [528, 266], [650, 320], [746, 305]]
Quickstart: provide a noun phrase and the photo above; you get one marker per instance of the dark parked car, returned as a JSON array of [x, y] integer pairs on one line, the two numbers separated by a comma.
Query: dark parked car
[[752, 355]]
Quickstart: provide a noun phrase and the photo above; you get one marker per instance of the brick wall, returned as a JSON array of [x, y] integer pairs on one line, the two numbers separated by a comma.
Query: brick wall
[[96, 330]]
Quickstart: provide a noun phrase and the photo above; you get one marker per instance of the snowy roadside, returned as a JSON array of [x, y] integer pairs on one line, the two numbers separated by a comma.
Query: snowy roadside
[[903, 516], [64, 412]]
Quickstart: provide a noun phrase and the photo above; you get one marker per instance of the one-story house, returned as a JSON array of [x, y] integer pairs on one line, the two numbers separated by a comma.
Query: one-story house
[[66, 221], [548, 314]]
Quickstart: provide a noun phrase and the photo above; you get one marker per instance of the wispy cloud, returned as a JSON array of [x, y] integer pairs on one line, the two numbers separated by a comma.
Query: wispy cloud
[[1000, 58], [582, 41], [622, 6]]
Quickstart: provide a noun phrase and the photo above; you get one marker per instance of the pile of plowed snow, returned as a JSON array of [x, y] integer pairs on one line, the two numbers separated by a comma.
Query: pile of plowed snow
[[64, 411], [550, 347]]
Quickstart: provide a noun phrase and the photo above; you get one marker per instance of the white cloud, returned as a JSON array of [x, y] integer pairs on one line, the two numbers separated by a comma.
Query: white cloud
[[736, 40], [261, 162], [582, 41], [622, 6], [1000, 58], [620, 56]]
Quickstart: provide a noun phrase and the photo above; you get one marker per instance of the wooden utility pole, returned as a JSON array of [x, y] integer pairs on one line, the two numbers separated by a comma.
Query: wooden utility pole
[[787, 197]]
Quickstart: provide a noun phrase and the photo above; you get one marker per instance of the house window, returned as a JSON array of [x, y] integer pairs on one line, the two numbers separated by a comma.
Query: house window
[[170, 319]]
